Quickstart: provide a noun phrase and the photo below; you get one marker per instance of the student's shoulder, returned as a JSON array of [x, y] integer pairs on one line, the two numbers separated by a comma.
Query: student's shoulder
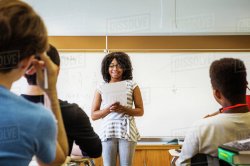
[[71, 108], [72, 113], [37, 108], [198, 128], [35, 112], [213, 122], [22, 103], [247, 115], [208, 120], [65, 105], [42, 112]]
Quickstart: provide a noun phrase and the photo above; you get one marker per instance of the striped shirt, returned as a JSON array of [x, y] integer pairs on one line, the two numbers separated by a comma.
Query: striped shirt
[[119, 125]]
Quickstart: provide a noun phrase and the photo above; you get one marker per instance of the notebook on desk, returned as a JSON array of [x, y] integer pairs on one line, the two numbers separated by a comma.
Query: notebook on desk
[[238, 147], [235, 152], [174, 152], [233, 158]]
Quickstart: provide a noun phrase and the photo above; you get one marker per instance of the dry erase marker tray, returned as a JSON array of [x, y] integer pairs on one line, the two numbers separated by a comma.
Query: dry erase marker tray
[[160, 140]]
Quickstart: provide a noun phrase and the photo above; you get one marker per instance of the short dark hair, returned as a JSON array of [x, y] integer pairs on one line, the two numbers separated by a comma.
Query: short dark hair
[[123, 60], [55, 58], [54, 55], [22, 33], [228, 75]]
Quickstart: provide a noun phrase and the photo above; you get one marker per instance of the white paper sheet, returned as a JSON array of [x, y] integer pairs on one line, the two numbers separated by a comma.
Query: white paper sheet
[[115, 92]]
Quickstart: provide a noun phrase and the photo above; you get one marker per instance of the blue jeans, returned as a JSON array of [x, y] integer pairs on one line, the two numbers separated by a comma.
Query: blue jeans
[[114, 146]]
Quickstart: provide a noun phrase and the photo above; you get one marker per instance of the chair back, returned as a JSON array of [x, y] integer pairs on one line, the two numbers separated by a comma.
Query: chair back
[[81, 162], [199, 160], [207, 160]]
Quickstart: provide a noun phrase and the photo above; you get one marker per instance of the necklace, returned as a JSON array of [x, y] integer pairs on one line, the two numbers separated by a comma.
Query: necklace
[[230, 107]]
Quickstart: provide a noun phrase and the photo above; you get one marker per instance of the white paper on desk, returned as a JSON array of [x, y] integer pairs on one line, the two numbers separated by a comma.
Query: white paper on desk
[[174, 153], [115, 92]]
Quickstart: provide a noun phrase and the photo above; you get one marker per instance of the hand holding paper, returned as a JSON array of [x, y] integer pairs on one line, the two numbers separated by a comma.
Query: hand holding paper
[[117, 107]]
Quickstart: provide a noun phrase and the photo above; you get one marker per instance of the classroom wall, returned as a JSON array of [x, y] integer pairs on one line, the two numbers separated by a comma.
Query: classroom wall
[[144, 17]]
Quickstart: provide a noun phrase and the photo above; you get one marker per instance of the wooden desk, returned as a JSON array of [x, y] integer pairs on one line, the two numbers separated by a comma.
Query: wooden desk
[[149, 155]]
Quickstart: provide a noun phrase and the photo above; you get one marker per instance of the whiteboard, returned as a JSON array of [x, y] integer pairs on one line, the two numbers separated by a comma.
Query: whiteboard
[[144, 17], [175, 87]]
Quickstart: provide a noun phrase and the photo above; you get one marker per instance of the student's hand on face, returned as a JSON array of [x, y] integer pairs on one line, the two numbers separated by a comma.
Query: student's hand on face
[[46, 64]]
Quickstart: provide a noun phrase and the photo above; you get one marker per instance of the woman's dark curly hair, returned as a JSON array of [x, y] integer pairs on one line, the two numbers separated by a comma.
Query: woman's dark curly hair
[[123, 60]]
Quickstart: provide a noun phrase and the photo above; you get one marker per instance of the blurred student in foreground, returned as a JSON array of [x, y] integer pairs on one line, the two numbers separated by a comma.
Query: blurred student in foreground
[[229, 83], [76, 121], [27, 129]]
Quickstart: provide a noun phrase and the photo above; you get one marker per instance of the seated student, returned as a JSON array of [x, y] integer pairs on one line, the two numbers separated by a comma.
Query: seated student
[[27, 129], [76, 121], [229, 83]]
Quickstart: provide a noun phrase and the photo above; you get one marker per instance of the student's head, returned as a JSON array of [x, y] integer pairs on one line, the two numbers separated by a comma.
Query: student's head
[[54, 56], [118, 61], [22, 34], [228, 76]]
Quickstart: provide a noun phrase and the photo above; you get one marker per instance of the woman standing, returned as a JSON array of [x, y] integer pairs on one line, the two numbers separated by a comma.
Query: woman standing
[[119, 135]]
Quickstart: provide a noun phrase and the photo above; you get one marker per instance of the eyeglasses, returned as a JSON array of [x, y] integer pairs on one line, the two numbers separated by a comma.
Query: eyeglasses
[[117, 66]]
